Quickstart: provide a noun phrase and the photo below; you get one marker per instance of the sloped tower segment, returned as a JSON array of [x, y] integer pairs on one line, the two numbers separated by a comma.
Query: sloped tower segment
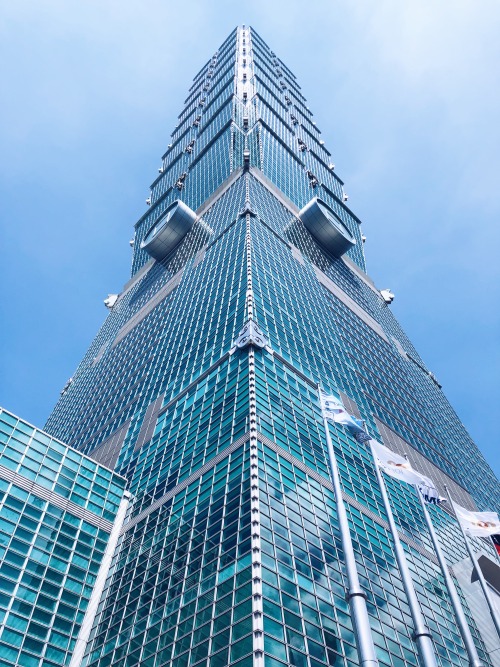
[[201, 388]]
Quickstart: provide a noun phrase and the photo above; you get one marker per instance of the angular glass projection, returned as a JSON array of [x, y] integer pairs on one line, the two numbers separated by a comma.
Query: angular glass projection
[[231, 553]]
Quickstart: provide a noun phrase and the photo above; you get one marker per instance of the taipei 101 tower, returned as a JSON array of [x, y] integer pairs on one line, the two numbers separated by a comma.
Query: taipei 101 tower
[[249, 294]]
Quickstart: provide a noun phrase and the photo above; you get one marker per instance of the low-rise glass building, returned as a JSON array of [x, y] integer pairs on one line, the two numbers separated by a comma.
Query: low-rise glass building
[[58, 509]]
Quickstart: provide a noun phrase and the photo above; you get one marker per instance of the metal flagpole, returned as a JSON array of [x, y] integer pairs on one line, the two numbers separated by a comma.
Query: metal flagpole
[[470, 647], [480, 576], [355, 595], [421, 633]]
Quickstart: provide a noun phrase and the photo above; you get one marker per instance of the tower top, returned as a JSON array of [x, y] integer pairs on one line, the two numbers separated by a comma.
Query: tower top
[[245, 112]]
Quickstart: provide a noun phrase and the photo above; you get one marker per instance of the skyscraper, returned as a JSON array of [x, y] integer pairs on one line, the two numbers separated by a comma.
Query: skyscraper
[[248, 291]]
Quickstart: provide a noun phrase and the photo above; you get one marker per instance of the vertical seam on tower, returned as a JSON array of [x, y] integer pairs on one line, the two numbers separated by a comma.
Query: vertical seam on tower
[[251, 64], [235, 96], [257, 605], [257, 608]]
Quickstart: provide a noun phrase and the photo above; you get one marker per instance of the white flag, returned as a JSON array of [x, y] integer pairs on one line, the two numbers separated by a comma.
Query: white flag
[[334, 411], [393, 464], [429, 492], [481, 524], [397, 466]]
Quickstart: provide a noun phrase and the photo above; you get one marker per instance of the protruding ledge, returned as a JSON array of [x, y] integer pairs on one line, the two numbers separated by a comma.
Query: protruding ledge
[[251, 334], [166, 234], [326, 227]]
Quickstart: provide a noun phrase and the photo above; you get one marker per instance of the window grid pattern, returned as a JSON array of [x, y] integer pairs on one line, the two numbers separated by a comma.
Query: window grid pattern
[[193, 430], [216, 104], [285, 169], [308, 326], [263, 76], [180, 586], [49, 556], [319, 167], [40, 458], [306, 617], [266, 94], [180, 129], [177, 147], [275, 123], [263, 57], [245, 110], [216, 69], [50, 560], [305, 121], [137, 370], [223, 116], [225, 80], [178, 163]]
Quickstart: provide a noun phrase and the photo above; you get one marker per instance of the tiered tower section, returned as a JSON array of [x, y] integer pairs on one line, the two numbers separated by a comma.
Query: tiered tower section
[[245, 105]]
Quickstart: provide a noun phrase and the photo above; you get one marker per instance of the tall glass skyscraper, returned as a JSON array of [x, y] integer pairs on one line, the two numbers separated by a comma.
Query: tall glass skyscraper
[[248, 291]]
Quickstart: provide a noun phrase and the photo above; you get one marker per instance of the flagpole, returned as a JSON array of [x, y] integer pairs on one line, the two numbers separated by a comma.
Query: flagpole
[[470, 647], [421, 633], [479, 572], [355, 595]]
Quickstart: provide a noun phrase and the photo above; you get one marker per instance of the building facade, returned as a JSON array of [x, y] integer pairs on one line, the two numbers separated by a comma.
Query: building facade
[[248, 290], [60, 514]]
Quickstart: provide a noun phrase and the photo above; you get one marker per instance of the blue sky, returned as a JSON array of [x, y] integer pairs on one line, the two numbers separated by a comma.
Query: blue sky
[[407, 95]]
